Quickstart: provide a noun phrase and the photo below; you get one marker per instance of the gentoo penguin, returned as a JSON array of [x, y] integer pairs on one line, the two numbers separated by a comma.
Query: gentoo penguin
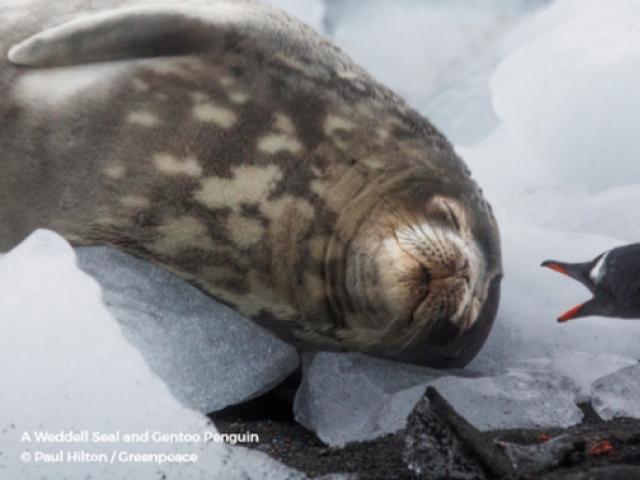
[[612, 277]]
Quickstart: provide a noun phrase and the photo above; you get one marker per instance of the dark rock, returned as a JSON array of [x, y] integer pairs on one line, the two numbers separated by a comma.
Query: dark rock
[[612, 472], [434, 450], [537, 458]]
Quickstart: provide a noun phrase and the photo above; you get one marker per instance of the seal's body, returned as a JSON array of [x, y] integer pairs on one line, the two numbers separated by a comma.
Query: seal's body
[[232, 145]]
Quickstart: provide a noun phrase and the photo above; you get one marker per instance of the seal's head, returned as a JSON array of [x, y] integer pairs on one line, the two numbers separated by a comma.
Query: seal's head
[[421, 271]]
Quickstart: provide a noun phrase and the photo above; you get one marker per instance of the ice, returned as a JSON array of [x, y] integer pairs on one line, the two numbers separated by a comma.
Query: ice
[[353, 397], [437, 54], [67, 368], [571, 97], [517, 398], [582, 368], [209, 355], [616, 395], [534, 195], [347, 396]]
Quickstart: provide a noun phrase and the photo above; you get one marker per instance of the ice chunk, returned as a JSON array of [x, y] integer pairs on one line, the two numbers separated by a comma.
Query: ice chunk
[[438, 54], [582, 368], [541, 22], [209, 355], [66, 368], [515, 399], [571, 97], [616, 395], [350, 397], [535, 195], [532, 195]]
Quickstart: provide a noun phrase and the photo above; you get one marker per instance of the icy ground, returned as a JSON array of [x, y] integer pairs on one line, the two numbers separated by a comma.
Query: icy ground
[[540, 98]]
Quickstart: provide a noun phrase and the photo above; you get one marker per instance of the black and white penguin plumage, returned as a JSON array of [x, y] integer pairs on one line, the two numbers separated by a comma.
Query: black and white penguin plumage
[[612, 277]]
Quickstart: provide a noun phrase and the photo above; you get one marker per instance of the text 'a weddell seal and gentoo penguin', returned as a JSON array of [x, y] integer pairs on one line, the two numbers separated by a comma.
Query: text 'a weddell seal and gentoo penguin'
[[235, 147]]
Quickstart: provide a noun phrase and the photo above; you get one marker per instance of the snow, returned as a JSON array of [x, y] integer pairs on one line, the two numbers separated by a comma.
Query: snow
[[571, 96], [532, 299], [67, 368], [209, 355], [438, 54]]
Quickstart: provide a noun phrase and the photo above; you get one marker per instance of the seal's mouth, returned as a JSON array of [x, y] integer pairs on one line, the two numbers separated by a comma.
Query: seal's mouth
[[447, 309]]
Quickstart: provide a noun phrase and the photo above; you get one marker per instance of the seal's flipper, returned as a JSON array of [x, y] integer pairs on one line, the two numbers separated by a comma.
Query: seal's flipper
[[143, 32]]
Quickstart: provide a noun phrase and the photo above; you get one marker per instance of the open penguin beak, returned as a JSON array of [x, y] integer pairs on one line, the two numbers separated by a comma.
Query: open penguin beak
[[579, 272]]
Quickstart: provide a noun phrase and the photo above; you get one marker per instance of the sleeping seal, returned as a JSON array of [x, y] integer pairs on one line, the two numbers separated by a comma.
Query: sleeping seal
[[235, 147]]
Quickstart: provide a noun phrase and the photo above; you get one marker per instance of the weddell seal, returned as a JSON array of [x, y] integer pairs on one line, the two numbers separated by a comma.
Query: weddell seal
[[232, 145]]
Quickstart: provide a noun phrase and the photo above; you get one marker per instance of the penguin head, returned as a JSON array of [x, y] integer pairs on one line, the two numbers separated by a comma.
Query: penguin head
[[613, 278]]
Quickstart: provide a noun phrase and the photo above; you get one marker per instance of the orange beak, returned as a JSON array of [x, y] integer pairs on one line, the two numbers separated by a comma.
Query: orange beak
[[555, 267], [570, 314], [578, 272]]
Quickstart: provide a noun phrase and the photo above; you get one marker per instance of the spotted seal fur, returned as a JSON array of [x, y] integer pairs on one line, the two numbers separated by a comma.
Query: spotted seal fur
[[232, 145]]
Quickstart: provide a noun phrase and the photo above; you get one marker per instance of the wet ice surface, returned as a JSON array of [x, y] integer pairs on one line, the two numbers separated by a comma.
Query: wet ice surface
[[516, 398], [209, 355], [582, 368], [616, 395], [351, 396], [557, 158], [67, 367]]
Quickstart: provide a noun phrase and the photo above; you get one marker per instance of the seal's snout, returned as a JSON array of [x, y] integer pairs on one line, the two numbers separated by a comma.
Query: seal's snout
[[450, 307], [421, 279]]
